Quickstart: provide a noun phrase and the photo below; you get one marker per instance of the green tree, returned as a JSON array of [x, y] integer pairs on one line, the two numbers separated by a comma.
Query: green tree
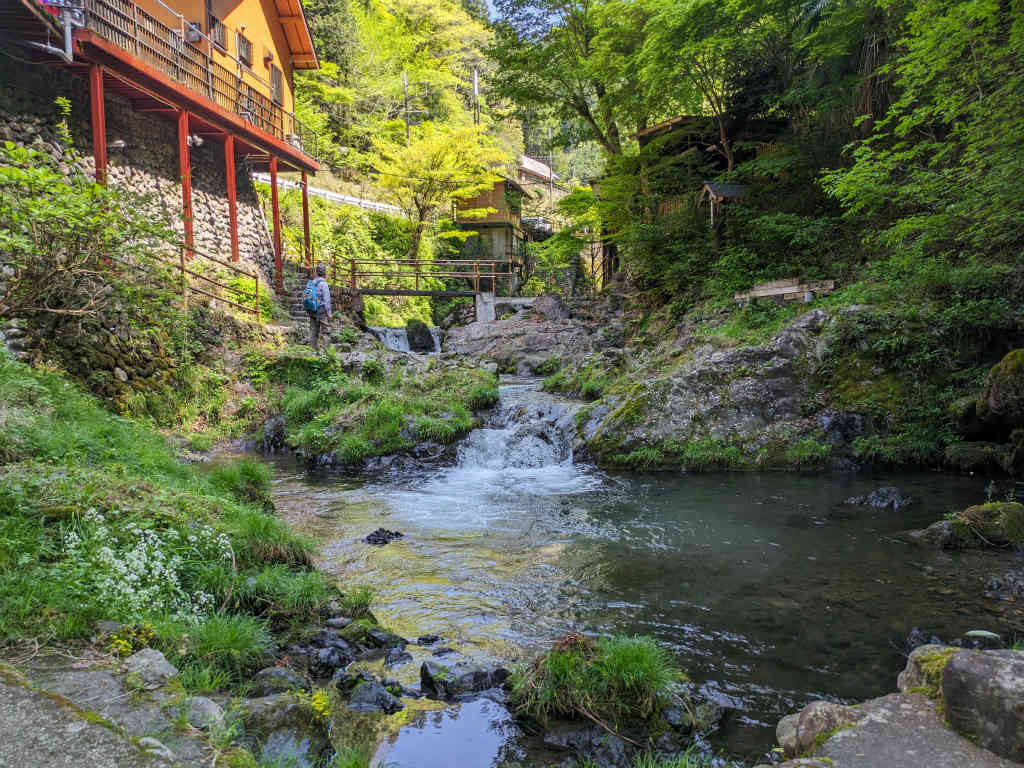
[[943, 172], [439, 166]]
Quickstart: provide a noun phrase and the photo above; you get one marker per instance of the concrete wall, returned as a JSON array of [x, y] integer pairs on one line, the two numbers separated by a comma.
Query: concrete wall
[[149, 166]]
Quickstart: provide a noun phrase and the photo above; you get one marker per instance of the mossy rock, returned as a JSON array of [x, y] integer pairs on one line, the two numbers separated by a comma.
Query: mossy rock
[[357, 630], [975, 457], [1001, 400], [997, 523]]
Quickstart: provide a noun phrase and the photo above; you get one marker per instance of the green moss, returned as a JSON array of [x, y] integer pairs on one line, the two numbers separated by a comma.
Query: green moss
[[931, 667], [996, 522], [548, 368]]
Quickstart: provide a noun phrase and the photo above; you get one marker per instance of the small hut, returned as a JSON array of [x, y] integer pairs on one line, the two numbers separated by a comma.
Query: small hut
[[719, 194]]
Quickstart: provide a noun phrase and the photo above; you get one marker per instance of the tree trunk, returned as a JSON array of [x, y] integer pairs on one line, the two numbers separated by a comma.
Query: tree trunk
[[417, 236]]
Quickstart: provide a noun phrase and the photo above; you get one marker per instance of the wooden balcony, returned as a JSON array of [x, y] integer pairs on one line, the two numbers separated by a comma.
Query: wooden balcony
[[137, 32]]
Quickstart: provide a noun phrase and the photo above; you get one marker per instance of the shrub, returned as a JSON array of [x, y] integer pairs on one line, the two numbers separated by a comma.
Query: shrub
[[201, 442], [613, 679]]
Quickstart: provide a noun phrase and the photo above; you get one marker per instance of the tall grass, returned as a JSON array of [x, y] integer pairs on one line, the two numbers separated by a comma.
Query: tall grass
[[616, 678]]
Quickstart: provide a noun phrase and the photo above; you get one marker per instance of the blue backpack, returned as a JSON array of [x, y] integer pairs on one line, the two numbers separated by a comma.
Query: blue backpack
[[311, 296]]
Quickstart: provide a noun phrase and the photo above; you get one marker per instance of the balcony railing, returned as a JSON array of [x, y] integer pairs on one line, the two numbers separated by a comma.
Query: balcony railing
[[131, 28]]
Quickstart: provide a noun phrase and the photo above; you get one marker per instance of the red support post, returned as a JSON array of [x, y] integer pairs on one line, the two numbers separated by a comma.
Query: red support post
[[185, 171], [276, 208], [99, 122], [305, 220], [229, 171]]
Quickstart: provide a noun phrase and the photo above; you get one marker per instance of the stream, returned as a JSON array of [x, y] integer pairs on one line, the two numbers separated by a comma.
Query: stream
[[769, 589]]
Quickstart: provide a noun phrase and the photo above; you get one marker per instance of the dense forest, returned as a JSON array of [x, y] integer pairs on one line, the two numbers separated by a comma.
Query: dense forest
[[868, 132]]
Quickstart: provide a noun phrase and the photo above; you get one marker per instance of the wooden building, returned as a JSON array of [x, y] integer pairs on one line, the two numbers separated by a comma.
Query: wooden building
[[499, 234], [221, 70]]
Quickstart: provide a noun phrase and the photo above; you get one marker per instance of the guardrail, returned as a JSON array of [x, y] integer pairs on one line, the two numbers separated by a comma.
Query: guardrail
[[188, 276], [401, 274], [133, 29]]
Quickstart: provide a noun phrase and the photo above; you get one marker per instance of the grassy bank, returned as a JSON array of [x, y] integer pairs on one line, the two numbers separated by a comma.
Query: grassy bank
[[100, 521], [369, 408]]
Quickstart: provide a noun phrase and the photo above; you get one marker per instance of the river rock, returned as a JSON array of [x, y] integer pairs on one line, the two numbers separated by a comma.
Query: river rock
[[284, 720], [371, 696], [273, 435], [324, 662], [397, 656], [1001, 400], [157, 748], [441, 682], [278, 680], [419, 336], [150, 667], [551, 307], [590, 743], [975, 457], [907, 731], [202, 713], [984, 699], [428, 639], [924, 667], [800, 733], [381, 638], [382, 536], [883, 498]]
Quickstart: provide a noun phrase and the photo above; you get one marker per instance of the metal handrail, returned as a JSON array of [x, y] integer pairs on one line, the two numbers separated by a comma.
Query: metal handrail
[[133, 29]]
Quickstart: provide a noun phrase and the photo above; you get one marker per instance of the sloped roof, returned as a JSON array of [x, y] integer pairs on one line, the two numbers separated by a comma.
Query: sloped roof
[[537, 168], [728, 191], [296, 32]]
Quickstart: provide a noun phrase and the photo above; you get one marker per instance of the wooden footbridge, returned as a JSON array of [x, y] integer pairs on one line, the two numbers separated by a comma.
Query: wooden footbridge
[[413, 277]]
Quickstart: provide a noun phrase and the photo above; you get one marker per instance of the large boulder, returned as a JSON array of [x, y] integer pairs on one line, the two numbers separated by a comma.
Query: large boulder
[[551, 307], [984, 699], [1000, 403], [419, 335], [441, 682]]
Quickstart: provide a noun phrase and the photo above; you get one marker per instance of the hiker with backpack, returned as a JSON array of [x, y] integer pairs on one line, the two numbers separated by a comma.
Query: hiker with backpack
[[316, 300]]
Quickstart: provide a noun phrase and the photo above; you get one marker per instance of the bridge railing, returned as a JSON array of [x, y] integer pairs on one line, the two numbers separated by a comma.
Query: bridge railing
[[416, 275]]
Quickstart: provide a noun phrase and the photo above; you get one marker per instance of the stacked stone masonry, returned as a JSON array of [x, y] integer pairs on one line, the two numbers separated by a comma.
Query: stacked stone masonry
[[148, 165]]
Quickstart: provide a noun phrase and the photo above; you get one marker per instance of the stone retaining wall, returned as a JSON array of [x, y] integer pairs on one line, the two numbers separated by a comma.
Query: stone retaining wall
[[149, 163]]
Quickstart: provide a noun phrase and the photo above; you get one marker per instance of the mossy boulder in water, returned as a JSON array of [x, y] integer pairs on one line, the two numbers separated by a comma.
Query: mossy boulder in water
[[419, 335], [1001, 400], [975, 457]]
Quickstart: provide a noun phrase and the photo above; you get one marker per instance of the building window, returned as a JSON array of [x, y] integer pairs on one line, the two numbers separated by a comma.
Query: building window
[[276, 85], [243, 46], [218, 33]]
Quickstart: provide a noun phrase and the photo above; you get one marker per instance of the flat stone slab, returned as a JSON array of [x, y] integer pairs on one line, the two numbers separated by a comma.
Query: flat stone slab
[[45, 730], [904, 730]]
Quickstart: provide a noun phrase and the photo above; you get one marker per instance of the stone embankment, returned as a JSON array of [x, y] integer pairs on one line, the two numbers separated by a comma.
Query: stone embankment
[[956, 708]]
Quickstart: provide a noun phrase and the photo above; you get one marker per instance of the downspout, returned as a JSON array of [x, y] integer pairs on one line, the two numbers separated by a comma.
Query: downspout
[[70, 18]]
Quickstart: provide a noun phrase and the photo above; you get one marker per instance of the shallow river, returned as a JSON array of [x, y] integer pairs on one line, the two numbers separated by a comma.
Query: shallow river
[[768, 588]]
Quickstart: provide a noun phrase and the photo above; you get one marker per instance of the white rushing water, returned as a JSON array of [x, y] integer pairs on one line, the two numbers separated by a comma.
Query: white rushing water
[[522, 454], [398, 339]]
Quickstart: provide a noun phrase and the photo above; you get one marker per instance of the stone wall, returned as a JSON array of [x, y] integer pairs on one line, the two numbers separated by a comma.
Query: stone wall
[[149, 163]]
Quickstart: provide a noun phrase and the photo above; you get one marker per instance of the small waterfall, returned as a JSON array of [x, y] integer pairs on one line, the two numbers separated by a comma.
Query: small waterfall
[[526, 430], [398, 339]]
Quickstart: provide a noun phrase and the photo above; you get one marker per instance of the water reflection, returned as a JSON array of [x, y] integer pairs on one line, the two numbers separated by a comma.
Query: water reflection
[[770, 590]]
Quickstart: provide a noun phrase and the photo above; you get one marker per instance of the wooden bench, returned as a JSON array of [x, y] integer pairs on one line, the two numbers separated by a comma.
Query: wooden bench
[[790, 289]]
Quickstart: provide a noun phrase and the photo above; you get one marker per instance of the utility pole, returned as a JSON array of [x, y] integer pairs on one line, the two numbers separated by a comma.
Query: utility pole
[[476, 97], [405, 98], [551, 175]]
